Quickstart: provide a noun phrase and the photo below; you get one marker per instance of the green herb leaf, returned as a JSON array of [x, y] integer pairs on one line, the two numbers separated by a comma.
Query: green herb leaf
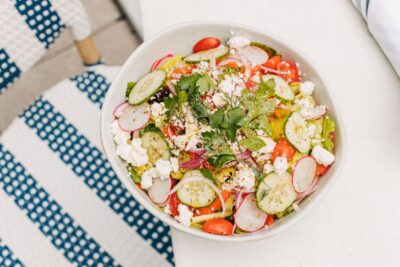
[[215, 144], [204, 84], [236, 116], [217, 118], [207, 173], [220, 160], [188, 83], [261, 123], [253, 143], [230, 70], [129, 87], [266, 88], [150, 128], [328, 127], [170, 104]]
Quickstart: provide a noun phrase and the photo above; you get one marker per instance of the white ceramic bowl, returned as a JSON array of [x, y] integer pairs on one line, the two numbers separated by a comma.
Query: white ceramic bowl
[[179, 40]]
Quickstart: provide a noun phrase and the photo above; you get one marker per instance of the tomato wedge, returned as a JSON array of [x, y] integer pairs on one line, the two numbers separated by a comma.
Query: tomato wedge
[[321, 169], [283, 149], [270, 220], [218, 227], [169, 132], [292, 73], [273, 62], [213, 207], [206, 44], [173, 204]]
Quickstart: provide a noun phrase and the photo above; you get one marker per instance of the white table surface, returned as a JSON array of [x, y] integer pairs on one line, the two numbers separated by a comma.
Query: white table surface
[[358, 222]]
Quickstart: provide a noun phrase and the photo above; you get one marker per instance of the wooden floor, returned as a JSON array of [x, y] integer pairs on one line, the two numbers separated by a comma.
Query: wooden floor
[[114, 36]]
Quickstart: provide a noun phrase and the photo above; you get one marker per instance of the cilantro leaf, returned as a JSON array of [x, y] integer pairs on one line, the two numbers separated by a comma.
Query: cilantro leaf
[[266, 88], [217, 118], [204, 84], [170, 104], [261, 123], [253, 143], [215, 144], [188, 83], [207, 173], [220, 160]]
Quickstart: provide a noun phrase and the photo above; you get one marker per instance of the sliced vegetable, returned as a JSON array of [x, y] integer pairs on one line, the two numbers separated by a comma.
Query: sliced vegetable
[[311, 189], [216, 205], [206, 44], [159, 191], [282, 88], [218, 227], [146, 87], [328, 128], [273, 62], [322, 169], [296, 132], [134, 117], [168, 64], [156, 146], [157, 63], [254, 54], [304, 173], [173, 204], [207, 55], [275, 193], [292, 73], [271, 51], [248, 216], [119, 109], [283, 149]]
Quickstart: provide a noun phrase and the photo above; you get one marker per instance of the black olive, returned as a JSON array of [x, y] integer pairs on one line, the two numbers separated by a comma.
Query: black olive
[[159, 96]]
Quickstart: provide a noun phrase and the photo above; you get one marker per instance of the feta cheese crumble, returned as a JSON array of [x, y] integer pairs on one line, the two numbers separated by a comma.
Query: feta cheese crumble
[[147, 178], [238, 42], [307, 88], [120, 137], [232, 85], [219, 99], [185, 215], [245, 177], [322, 156], [158, 109], [280, 165], [268, 168]]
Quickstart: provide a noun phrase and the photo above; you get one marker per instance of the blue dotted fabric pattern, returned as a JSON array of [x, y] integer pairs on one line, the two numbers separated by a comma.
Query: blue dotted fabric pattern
[[8, 70], [90, 164], [93, 85], [64, 233], [7, 257], [41, 17]]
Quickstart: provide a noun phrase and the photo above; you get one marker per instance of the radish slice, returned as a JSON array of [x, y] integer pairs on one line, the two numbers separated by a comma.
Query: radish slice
[[309, 191], [119, 109], [134, 117], [315, 113], [304, 173], [159, 61], [159, 191], [228, 60], [248, 216], [192, 164], [254, 55], [197, 177]]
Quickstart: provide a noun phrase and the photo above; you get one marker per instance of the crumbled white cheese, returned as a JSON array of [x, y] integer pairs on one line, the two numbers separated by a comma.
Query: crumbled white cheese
[[307, 88], [313, 112], [268, 168], [163, 168], [219, 99], [174, 164], [158, 109], [201, 68], [256, 78], [148, 177], [245, 177], [238, 42], [133, 153], [311, 129], [120, 137], [185, 215], [232, 85], [322, 156], [269, 145], [280, 165]]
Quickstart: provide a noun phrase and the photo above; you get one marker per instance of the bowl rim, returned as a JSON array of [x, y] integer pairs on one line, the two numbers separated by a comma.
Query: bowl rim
[[190, 230]]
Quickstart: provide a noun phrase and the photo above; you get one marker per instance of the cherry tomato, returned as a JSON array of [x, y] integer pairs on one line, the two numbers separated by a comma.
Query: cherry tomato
[[218, 226], [270, 220], [169, 132], [273, 62], [321, 169], [173, 204], [206, 44], [292, 73], [283, 149], [213, 207]]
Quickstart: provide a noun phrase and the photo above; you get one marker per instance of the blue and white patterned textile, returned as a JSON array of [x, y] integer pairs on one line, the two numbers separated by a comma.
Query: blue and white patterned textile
[[61, 204]]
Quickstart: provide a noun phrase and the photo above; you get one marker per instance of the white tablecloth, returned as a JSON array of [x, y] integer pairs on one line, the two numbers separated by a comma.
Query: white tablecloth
[[358, 222]]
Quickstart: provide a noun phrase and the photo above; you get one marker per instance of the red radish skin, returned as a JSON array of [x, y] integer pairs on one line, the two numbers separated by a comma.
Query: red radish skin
[[134, 117], [248, 216], [159, 191], [159, 61], [118, 109], [313, 187], [310, 170]]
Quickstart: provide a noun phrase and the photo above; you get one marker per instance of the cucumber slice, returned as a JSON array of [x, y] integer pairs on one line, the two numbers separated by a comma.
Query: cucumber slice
[[282, 88], [275, 193], [196, 193], [207, 55], [296, 132], [147, 86], [156, 146]]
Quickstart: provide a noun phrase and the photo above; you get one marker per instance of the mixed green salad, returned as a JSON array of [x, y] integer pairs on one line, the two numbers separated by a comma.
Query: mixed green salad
[[227, 139]]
